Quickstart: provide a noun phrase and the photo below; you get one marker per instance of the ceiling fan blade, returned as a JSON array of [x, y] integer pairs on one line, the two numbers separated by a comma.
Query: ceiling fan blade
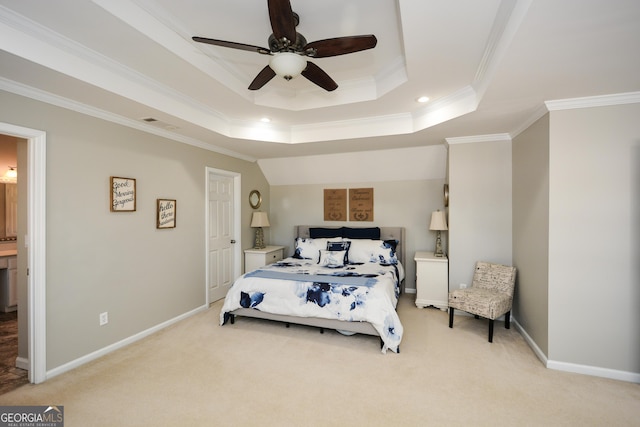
[[316, 75], [341, 45], [232, 45], [282, 20], [262, 78]]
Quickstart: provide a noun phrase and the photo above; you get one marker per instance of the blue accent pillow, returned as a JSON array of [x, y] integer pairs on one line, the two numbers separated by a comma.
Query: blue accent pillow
[[317, 232], [372, 233]]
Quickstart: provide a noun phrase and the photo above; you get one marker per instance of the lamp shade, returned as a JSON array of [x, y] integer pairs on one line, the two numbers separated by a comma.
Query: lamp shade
[[438, 221], [260, 219], [287, 64]]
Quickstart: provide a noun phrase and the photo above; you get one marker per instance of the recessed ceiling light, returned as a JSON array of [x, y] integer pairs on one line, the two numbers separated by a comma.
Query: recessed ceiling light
[[423, 99], [265, 120]]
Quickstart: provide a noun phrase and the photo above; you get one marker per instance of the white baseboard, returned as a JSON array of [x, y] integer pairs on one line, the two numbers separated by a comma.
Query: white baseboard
[[22, 363], [123, 343], [595, 371], [536, 350]]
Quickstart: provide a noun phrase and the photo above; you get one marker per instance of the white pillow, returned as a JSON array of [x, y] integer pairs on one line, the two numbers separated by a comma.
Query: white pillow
[[377, 251], [310, 248], [332, 258]]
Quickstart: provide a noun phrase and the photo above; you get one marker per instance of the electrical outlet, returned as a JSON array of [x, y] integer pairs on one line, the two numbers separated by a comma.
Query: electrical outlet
[[104, 318], [463, 286]]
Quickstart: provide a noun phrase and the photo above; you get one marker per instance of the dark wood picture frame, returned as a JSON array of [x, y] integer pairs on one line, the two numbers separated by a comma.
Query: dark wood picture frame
[[123, 194], [166, 213]]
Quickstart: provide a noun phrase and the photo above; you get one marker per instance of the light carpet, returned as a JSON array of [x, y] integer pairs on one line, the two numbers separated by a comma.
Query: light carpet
[[196, 373]]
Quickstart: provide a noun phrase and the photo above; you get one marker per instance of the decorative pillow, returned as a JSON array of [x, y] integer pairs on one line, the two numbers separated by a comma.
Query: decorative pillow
[[361, 233], [309, 248], [332, 258], [342, 245], [317, 232], [378, 251]]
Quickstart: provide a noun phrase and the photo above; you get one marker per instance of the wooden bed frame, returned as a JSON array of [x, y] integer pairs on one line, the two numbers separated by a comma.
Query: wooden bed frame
[[345, 327]]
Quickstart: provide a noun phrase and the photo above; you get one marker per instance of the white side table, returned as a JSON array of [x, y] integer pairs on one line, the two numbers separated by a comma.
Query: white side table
[[256, 258], [432, 280]]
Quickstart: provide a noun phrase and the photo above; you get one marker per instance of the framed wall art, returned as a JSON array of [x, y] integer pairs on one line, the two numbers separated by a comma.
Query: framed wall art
[[166, 213], [123, 194], [361, 204], [335, 204]]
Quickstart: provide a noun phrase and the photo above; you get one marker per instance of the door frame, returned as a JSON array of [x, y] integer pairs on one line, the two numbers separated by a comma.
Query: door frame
[[35, 241], [237, 229]]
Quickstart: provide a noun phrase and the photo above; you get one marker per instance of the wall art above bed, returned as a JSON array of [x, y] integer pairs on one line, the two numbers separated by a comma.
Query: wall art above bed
[[335, 204], [361, 204]]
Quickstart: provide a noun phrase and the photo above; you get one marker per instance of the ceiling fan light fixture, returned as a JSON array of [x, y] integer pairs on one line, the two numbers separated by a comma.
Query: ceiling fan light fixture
[[287, 64]]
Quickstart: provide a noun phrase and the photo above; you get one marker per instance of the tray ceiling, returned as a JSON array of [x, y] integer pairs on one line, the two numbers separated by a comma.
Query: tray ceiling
[[487, 67]]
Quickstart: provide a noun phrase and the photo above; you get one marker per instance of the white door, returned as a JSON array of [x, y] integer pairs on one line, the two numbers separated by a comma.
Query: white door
[[220, 229]]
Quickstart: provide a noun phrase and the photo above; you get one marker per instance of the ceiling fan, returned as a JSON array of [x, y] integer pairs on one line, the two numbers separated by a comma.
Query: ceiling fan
[[289, 48]]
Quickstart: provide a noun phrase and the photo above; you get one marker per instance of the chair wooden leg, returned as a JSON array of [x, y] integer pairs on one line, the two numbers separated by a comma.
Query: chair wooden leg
[[451, 310], [490, 330], [507, 320]]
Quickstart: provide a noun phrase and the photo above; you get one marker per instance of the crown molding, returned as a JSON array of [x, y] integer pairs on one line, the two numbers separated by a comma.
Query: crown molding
[[508, 19], [496, 137], [49, 98], [593, 101], [537, 115]]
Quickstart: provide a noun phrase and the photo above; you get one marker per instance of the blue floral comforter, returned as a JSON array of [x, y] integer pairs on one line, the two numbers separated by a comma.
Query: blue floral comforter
[[299, 287]]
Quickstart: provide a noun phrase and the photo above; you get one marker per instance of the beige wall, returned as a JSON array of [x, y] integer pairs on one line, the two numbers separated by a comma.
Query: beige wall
[[8, 152], [594, 244], [576, 226], [118, 262], [399, 203], [479, 207], [8, 158], [531, 230]]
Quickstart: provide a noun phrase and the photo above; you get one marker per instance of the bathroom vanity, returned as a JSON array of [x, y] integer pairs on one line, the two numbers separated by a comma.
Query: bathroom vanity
[[8, 280]]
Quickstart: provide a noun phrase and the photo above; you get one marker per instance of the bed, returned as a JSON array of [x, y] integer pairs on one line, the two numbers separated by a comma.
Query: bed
[[352, 296]]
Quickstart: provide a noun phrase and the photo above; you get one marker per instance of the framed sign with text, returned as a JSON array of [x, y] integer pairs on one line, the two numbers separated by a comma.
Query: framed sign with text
[[166, 213], [123, 194], [361, 204], [335, 204]]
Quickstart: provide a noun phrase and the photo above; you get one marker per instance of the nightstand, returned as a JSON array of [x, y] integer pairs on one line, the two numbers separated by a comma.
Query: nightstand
[[256, 258], [432, 280]]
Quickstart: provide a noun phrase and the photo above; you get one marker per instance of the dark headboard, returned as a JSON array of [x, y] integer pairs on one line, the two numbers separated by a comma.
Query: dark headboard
[[386, 233]]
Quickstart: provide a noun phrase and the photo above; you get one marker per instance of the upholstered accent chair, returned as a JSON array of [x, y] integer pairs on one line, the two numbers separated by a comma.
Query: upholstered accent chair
[[490, 295]]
